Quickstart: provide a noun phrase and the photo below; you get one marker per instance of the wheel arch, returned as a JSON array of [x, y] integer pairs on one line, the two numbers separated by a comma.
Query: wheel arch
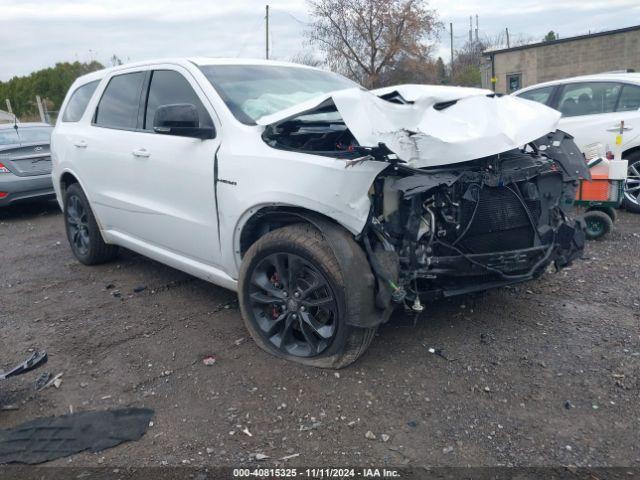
[[271, 217], [66, 180], [354, 263]]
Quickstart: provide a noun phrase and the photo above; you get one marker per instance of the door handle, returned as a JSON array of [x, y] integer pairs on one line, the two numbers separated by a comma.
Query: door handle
[[80, 144], [141, 152], [617, 129]]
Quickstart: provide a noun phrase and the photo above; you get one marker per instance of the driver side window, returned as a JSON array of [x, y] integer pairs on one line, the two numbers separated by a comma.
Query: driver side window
[[168, 87]]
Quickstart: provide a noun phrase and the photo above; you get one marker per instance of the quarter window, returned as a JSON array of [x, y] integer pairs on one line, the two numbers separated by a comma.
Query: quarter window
[[167, 88], [540, 95], [589, 98], [629, 98], [118, 107], [79, 101]]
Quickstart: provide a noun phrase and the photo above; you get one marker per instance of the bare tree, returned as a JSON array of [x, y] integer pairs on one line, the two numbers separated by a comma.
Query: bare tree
[[363, 39], [306, 57]]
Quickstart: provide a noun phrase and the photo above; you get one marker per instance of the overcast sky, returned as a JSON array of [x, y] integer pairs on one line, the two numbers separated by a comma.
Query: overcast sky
[[37, 34]]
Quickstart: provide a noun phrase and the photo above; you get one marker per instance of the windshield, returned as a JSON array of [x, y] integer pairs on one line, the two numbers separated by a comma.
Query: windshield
[[252, 91], [10, 136]]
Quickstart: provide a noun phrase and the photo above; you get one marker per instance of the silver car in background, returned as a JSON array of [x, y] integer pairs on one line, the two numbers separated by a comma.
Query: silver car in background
[[25, 162]]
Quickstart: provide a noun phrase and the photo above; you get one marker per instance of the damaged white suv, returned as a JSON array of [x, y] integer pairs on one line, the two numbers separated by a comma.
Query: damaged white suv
[[323, 204]]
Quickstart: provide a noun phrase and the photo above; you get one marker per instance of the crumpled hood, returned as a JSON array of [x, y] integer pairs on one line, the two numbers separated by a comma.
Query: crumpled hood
[[428, 131]]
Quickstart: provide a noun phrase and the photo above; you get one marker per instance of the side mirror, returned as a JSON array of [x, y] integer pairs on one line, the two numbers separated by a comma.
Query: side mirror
[[180, 119]]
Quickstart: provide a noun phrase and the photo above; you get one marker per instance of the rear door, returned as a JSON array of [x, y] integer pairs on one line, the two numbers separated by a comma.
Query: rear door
[[103, 151], [589, 113], [172, 177]]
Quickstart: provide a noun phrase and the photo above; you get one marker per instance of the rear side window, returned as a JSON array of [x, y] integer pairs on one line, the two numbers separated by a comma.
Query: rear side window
[[118, 107], [589, 98], [540, 95], [629, 99], [79, 101], [169, 87]]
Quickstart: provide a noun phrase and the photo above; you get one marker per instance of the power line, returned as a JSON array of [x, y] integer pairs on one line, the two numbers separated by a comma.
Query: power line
[[249, 35]]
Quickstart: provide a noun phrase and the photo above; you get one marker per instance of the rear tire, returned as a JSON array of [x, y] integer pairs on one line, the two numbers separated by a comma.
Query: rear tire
[[82, 229], [598, 223], [292, 298]]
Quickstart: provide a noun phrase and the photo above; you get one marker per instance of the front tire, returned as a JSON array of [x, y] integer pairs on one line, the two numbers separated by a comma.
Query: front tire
[[82, 229], [292, 297]]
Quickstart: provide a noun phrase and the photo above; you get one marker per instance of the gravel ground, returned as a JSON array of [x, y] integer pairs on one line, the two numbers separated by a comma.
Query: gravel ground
[[542, 374]]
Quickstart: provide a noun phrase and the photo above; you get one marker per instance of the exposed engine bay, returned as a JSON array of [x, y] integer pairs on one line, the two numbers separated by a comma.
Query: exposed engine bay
[[454, 228]]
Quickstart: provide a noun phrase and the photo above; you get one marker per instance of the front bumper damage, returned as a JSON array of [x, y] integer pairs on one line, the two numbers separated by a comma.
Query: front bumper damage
[[477, 192]]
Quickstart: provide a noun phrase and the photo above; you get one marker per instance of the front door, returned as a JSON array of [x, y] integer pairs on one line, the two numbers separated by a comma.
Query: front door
[[172, 177]]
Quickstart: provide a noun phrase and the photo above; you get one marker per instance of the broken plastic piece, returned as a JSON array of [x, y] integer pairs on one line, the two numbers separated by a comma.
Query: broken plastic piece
[[36, 360], [49, 438]]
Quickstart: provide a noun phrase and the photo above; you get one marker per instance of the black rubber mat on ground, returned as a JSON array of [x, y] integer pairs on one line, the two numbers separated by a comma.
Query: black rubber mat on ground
[[46, 439]]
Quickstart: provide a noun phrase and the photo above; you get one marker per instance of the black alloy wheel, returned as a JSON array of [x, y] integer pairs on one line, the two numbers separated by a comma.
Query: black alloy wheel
[[78, 224], [293, 305]]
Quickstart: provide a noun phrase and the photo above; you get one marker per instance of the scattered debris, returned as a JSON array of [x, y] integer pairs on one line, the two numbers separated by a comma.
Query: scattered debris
[[9, 407], [288, 457], [261, 456], [448, 449], [139, 288], [384, 437], [336, 374], [246, 431], [239, 341], [55, 381], [49, 438], [432, 350], [36, 360], [370, 435], [109, 286], [209, 360], [568, 405], [42, 381], [412, 423]]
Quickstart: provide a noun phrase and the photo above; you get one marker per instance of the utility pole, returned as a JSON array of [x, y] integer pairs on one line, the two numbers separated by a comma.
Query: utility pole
[[508, 43], [470, 28], [476, 28], [451, 32], [266, 31]]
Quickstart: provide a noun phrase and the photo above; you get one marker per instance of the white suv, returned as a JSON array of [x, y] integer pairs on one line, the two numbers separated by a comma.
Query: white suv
[[592, 108], [323, 204]]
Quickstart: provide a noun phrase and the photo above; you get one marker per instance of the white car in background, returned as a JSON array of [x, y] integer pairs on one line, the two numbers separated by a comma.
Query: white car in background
[[592, 108]]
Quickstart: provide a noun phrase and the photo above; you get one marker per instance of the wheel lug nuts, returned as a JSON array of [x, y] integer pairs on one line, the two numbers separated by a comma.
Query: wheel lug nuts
[[302, 309], [294, 316], [297, 294], [285, 294]]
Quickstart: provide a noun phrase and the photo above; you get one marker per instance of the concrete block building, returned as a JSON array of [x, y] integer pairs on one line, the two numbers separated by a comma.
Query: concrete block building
[[521, 66]]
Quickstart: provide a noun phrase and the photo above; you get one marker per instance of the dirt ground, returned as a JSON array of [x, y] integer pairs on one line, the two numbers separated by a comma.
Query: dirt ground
[[542, 374]]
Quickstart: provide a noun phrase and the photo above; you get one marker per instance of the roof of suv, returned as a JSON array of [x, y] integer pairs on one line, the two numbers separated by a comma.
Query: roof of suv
[[600, 77], [200, 61]]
